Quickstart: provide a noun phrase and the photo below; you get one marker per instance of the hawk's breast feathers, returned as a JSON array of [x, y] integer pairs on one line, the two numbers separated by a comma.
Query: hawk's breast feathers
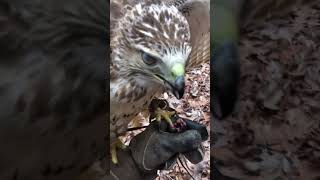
[[156, 30]]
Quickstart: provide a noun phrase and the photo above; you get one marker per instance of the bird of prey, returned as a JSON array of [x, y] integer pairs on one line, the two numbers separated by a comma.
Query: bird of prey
[[152, 43]]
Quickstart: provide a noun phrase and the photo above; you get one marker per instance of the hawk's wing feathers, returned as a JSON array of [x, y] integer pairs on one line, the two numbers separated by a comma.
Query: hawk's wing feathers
[[197, 13]]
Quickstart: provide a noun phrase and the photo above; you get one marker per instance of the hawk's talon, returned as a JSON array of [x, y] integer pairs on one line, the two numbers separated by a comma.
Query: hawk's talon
[[166, 115], [113, 150]]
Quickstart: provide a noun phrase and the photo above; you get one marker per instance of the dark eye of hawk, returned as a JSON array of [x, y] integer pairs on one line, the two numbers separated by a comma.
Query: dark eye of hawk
[[148, 59]]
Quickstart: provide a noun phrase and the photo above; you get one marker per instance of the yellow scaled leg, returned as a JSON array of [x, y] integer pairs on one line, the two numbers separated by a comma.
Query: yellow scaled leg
[[165, 115], [113, 150]]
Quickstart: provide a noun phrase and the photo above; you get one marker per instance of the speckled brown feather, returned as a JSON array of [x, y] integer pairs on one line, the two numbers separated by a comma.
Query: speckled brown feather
[[129, 96], [198, 16], [198, 21], [197, 13]]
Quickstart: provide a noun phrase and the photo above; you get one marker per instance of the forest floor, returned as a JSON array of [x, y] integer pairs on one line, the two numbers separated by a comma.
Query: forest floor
[[195, 105], [274, 133]]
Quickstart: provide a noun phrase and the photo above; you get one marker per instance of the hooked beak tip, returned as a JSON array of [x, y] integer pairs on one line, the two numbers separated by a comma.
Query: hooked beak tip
[[178, 89]]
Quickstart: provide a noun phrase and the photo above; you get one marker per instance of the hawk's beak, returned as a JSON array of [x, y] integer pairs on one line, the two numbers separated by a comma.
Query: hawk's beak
[[174, 80], [177, 87]]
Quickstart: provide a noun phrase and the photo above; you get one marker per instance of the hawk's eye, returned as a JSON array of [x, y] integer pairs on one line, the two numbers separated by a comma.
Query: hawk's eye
[[148, 59]]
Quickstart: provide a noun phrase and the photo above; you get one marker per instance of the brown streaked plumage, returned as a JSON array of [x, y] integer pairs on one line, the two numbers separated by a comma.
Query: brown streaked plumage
[[165, 30]]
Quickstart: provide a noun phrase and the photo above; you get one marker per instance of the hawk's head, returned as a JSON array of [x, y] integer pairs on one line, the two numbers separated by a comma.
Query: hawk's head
[[152, 44]]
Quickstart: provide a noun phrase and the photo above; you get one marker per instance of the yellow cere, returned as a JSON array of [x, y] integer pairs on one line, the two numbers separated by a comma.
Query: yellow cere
[[178, 70]]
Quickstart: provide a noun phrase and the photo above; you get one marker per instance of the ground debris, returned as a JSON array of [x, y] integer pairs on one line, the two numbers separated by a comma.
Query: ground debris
[[275, 131]]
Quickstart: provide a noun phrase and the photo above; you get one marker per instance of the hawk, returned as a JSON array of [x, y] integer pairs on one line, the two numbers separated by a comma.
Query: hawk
[[152, 43]]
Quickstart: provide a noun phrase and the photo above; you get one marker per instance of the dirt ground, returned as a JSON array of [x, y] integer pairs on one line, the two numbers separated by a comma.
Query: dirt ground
[[274, 133]]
